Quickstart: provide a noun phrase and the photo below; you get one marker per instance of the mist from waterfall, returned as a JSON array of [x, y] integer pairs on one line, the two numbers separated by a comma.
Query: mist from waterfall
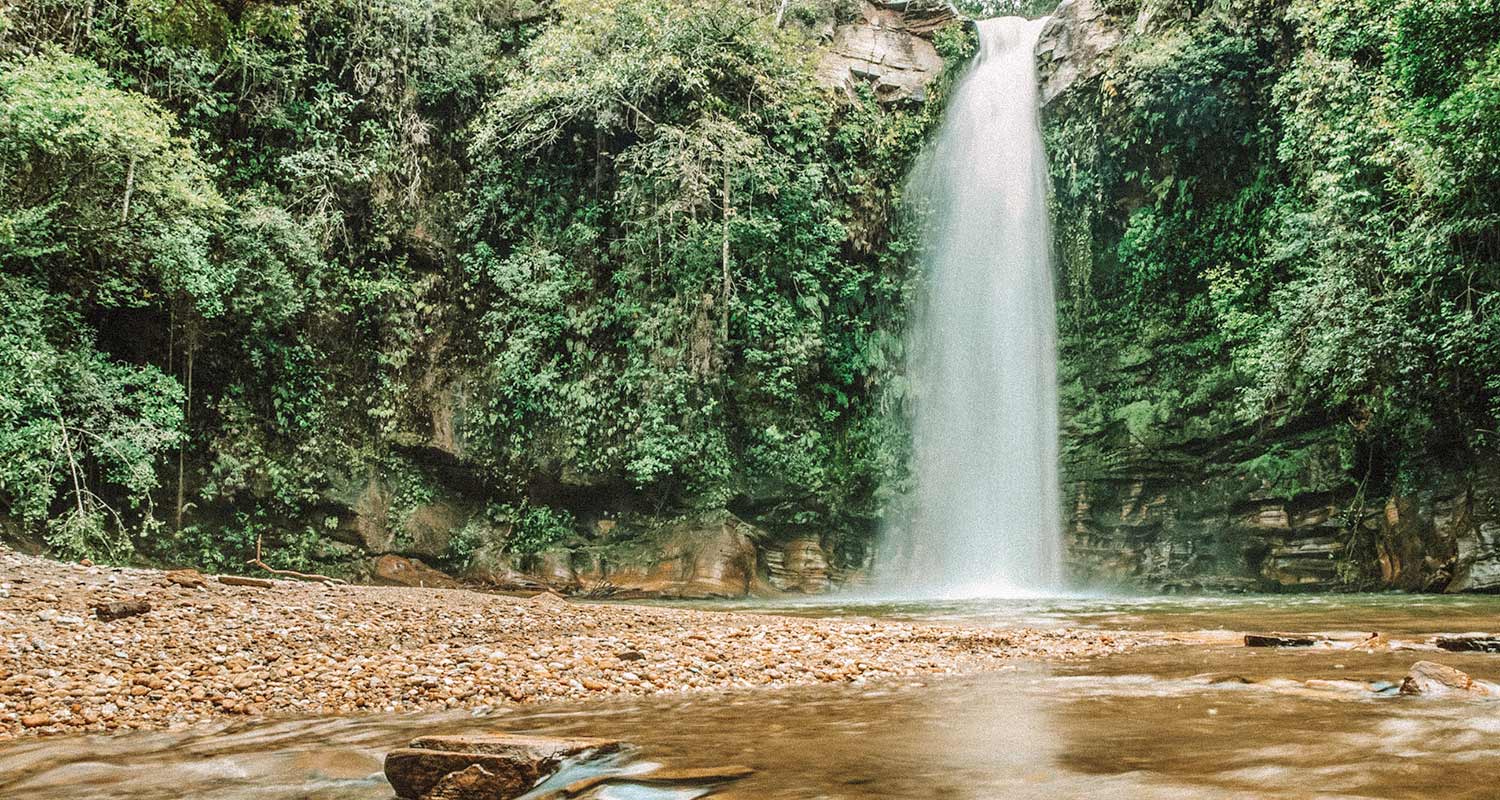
[[985, 516]]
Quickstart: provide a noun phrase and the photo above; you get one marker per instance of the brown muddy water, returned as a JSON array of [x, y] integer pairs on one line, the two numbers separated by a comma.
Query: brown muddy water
[[1140, 725]]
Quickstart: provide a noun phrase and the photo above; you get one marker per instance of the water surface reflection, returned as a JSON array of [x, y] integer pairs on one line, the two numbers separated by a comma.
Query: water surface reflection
[[1140, 725]]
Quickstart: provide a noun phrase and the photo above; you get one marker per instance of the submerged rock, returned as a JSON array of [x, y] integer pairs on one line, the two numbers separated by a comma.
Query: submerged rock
[[1213, 678], [708, 776], [1281, 640], [487, 767], [1432, 678], [1346, 686], [1470, 643]]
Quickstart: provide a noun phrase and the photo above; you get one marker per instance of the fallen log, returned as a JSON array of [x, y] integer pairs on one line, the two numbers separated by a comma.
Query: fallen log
[[240, 580], [289, 573]]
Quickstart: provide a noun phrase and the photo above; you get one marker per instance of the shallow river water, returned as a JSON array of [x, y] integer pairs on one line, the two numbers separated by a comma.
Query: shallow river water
[[1141, 725]]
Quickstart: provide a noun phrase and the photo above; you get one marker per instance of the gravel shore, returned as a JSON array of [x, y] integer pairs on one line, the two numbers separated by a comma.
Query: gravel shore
[[299, 649]]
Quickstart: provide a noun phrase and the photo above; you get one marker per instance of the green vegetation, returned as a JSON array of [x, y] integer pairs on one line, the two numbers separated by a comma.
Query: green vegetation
[[254, 252], [266, 266], [1285, 218]]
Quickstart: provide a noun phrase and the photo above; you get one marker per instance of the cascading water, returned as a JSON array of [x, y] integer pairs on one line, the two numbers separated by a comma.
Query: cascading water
[[985, 515]]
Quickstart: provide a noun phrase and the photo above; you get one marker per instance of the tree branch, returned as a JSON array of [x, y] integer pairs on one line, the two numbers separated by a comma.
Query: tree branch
[[305, 576]]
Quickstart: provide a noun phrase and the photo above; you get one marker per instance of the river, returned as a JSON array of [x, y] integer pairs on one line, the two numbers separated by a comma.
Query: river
[[1146, 724]]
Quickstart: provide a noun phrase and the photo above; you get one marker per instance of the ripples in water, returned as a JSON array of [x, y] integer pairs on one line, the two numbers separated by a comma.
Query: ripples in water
[[1139, 725]]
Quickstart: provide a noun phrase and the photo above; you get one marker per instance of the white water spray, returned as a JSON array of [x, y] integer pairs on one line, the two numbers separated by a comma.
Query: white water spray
[[986, 511]]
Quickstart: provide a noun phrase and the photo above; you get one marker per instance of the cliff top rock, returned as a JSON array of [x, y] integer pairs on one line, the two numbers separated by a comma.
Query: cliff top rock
[[888, 48]]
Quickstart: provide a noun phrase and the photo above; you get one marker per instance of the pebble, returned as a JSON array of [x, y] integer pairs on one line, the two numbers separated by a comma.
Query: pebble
[[299, 649]]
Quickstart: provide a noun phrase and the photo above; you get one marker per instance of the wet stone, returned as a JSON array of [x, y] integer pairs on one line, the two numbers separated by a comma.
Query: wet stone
[[1432, 678], [1281, 640], [486, 767], [535, 748], [1470, 643], [1219, 677], [666, 777]]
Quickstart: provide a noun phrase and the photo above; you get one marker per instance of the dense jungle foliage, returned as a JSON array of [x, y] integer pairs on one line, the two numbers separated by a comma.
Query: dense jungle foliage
[[254, 250], [574, 258], [1285, 219]]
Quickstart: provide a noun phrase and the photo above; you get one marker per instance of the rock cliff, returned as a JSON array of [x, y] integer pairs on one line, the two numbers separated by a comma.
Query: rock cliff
[[887, 47], [1170, 493]]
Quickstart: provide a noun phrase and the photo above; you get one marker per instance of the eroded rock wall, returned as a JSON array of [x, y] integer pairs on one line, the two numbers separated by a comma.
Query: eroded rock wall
[[1185, 495], [888, 46]]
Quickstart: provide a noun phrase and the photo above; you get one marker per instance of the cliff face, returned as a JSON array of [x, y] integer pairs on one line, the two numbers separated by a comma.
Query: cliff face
[[431, 505], [1171, 484], [604, 297], [1208, 529]]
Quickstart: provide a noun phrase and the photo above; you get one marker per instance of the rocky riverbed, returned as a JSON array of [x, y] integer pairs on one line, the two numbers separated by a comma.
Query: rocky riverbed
[[81, 652]]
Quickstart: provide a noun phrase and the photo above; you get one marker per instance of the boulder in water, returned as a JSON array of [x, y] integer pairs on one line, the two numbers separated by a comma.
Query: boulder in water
[[1432, 678], [1281, 640], [1213, 678], [1470, 643], [488, 767]]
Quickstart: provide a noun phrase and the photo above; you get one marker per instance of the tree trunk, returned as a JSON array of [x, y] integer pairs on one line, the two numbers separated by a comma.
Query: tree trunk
[[72, 465], [187, 416], [129, 187], [728, 285]]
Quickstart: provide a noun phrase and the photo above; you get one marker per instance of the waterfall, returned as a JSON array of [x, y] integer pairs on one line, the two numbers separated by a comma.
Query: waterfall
[[985, 517]]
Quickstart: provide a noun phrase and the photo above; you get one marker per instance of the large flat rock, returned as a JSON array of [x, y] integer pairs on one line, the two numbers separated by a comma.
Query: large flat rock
[[482, 767]]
